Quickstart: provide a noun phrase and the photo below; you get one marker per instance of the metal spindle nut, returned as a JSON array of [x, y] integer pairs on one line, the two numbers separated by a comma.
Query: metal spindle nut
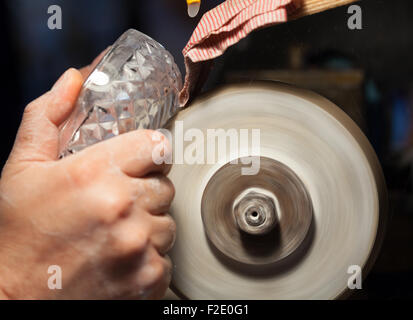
[[255, 213]]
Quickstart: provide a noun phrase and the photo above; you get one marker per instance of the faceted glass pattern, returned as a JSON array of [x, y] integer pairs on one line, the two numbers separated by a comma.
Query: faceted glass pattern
[[135, 86]]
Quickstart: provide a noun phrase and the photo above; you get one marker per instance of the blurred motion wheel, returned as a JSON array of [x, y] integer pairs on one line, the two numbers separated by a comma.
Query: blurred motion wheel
[[320, 185]]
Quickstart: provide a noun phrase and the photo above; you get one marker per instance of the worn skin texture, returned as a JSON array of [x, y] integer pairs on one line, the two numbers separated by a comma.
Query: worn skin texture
[[100, 214]]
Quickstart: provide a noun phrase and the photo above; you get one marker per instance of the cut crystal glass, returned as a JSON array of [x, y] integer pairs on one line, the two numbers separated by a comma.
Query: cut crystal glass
[[135, 86]]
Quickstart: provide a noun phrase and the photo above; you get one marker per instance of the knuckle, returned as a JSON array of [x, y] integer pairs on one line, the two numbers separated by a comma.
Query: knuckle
[[35, 106], [115, 205], [81, 174], [160, 271], [155, 277], [156, 272], [108, 206], [31, 108], [129, 242], [107, 196]]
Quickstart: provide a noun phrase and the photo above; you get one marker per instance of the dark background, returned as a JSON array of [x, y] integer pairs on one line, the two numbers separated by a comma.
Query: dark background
[[33, 57]]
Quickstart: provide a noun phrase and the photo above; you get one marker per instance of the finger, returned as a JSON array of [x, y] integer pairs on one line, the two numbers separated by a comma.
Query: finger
[[163, 285], [87, 70], [163, 233], [133, 235], [154, 276], [136, 153], [129, 238], [37, 138], [63, 96], [159, 193]]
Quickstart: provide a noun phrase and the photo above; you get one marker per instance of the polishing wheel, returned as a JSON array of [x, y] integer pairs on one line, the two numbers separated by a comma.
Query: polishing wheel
[[316, 207]]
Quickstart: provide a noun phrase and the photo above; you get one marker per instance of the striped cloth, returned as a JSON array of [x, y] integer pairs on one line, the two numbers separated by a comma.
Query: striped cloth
[[221, 28]]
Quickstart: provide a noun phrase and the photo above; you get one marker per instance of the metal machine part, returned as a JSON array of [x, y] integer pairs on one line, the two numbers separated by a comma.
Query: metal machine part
[[258, 219], [316, 207]]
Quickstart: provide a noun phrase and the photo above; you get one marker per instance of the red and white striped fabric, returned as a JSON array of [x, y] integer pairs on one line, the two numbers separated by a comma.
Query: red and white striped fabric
[[221, 28]]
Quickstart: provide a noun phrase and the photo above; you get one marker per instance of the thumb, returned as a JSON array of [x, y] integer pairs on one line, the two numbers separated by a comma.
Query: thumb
[[38, 135]]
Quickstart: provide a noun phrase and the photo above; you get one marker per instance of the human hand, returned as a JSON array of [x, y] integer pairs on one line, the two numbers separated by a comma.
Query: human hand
[[99, 215]]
